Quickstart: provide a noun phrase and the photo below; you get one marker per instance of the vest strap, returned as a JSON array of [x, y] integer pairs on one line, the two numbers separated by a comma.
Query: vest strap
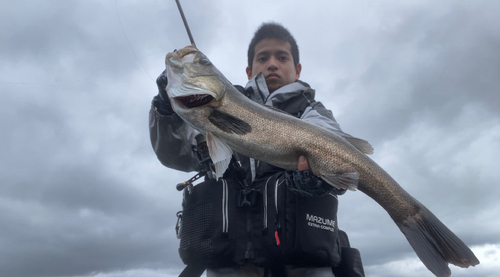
[[193, 270]]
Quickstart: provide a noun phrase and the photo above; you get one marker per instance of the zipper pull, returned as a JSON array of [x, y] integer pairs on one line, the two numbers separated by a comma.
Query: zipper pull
[[277, 238], [178, 225]]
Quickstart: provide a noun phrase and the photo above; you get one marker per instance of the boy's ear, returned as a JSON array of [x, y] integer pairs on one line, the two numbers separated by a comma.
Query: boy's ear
[[298, 69], [249, 73]]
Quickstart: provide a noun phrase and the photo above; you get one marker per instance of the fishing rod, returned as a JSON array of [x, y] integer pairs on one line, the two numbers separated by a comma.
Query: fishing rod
[[185, 23]]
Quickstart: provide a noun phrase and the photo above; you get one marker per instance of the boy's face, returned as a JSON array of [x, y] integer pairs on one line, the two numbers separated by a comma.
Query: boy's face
[[274, 59]]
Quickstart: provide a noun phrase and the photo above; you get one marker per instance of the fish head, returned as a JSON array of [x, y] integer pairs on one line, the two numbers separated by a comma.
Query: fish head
[[193, 81]]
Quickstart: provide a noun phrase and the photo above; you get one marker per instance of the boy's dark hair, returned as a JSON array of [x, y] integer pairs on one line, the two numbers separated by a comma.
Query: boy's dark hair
[[272, 30]]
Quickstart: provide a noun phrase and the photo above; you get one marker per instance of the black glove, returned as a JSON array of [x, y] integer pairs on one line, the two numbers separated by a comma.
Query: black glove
[[161, 101], [305, 183]]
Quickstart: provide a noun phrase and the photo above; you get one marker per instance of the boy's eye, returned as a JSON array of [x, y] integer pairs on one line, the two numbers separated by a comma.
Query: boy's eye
[[262, 59]]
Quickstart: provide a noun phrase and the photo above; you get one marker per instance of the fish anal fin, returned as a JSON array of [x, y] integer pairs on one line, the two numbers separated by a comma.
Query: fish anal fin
[[435, 244], [229, 123], [220, 153], [347, 180]]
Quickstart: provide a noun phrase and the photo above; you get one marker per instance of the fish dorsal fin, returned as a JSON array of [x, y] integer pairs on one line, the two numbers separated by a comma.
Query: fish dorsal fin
[[347, 180], [229, 123], [220, 153], [361, 144]]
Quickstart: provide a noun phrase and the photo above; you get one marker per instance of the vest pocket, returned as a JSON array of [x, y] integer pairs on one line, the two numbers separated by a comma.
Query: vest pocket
[[311, 230], [206, 225], [301, 230]]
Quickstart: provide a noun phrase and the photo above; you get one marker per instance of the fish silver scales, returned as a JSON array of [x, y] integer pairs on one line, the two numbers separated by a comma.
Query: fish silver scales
[[287, 139], [203, 97]]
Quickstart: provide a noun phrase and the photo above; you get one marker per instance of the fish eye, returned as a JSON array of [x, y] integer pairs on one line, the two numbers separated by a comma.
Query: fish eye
[[204, 61]]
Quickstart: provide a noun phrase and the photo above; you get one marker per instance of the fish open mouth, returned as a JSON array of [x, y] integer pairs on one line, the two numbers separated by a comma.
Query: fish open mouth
[[193, 101]]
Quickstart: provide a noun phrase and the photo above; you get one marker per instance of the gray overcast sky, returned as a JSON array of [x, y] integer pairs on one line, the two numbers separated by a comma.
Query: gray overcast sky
[[82, 193]]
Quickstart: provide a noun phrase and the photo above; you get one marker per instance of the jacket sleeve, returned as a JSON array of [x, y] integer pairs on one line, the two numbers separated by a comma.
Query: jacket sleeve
[[318, 115], [172, 140]]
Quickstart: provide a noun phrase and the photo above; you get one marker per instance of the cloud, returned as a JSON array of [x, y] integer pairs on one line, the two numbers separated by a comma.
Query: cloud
[[411, 267]]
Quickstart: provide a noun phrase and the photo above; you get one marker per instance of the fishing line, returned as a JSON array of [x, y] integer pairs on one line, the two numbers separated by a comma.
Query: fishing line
[[128, 41], [63, 84], [49, 84], [92, 77]]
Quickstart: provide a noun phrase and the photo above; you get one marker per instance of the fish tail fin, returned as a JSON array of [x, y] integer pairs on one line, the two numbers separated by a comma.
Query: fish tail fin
[[435, 244]]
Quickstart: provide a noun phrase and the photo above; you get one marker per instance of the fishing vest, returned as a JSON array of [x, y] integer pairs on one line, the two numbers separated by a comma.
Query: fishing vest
[[229, 222]]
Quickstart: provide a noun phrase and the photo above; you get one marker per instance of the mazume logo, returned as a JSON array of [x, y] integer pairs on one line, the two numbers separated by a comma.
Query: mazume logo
[[319, 222]]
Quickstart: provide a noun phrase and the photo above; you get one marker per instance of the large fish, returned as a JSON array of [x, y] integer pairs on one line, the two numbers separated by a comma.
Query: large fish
[[207, 101]]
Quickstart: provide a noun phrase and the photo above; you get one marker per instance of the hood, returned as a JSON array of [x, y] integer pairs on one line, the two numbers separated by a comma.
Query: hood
[[261, 92]]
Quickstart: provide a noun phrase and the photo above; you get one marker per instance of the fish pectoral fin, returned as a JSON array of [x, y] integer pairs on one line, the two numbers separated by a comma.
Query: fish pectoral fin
[[347, 180], [229, 123], [220, 153]]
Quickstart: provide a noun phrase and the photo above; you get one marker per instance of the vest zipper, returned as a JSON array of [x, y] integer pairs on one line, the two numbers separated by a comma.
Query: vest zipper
[[277, 224], [225, 219], [265, 203], [249, 253]]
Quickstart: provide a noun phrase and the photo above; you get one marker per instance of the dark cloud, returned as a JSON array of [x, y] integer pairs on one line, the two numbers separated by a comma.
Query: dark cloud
[[65, 243], [67, 208], [428, 62]]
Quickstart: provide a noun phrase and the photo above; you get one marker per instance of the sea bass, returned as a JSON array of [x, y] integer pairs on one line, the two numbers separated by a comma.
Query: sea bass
[[208, 102]]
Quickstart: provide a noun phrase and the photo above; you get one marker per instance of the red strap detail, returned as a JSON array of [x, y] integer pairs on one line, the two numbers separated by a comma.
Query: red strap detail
[[277, 238]]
